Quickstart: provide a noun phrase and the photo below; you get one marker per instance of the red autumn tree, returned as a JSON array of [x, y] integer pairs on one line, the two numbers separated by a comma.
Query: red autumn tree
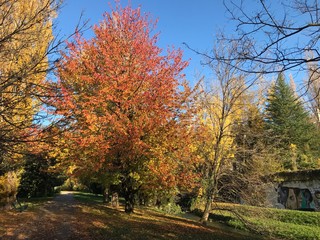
[[119, 96]]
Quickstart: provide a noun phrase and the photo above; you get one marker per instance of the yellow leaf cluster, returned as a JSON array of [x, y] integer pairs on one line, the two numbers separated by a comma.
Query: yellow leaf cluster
[[25, 35]]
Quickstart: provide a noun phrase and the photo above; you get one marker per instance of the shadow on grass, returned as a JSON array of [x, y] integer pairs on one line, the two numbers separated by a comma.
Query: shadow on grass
[[83, 216], [147, 224]]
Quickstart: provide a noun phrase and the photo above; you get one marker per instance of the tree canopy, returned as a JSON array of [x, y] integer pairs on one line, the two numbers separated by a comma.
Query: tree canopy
[[122, 100]]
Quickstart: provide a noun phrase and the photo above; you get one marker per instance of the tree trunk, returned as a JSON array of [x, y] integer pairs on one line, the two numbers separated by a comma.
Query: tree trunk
[[129, 194], [129, 204], [207, 210], [106, 195], [211, 192], [115, 200], [8, 203]]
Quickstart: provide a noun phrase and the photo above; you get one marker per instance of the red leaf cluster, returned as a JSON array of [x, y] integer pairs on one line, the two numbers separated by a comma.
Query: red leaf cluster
[[119, 95]]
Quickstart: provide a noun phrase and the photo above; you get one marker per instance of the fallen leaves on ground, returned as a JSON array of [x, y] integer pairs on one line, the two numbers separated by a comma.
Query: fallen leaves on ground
[[66, 218]]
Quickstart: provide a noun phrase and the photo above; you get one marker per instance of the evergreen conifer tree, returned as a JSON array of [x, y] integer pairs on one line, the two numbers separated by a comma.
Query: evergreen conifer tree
[[290, 126]]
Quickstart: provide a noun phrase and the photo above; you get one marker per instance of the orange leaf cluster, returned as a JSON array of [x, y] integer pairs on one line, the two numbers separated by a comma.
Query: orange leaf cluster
[[121, 95]]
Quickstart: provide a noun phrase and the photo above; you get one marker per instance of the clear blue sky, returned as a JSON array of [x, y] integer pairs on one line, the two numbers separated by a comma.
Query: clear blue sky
[[193, 21]]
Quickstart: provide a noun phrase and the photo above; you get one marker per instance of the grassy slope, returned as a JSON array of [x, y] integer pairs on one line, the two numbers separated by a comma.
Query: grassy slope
[[286, 224], [148, 224]]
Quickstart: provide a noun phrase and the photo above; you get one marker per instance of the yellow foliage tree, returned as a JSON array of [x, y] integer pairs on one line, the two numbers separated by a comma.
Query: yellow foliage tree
[[214, 143], [25, 37], [219, 109]]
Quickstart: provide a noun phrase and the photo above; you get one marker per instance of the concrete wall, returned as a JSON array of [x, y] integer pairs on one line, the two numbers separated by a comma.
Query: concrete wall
[[303, 195]]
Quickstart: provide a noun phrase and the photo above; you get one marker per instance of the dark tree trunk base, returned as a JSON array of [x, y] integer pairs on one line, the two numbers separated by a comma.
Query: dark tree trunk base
[[106, 195], [129, 205]]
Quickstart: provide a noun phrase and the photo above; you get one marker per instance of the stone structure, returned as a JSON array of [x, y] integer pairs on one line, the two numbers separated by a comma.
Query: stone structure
[[297, 190]]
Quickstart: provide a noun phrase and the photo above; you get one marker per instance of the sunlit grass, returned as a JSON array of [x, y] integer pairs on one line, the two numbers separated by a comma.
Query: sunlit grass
[[286, 224], [88, 197]]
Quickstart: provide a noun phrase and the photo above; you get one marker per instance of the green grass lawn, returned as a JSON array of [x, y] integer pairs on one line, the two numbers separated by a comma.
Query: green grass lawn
[[280, 223], [88, 197]]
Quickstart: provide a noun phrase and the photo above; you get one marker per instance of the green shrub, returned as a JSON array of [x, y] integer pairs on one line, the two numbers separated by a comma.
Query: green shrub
[[171, 208]]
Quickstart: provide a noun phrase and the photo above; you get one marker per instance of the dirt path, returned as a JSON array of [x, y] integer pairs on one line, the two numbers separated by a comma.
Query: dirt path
[[62, 215], [58, 219]]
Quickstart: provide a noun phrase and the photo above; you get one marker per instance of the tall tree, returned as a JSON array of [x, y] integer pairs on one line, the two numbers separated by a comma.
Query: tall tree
[[289, 124], [213, 144], [25, 37], [119, 94], [220, 108]]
